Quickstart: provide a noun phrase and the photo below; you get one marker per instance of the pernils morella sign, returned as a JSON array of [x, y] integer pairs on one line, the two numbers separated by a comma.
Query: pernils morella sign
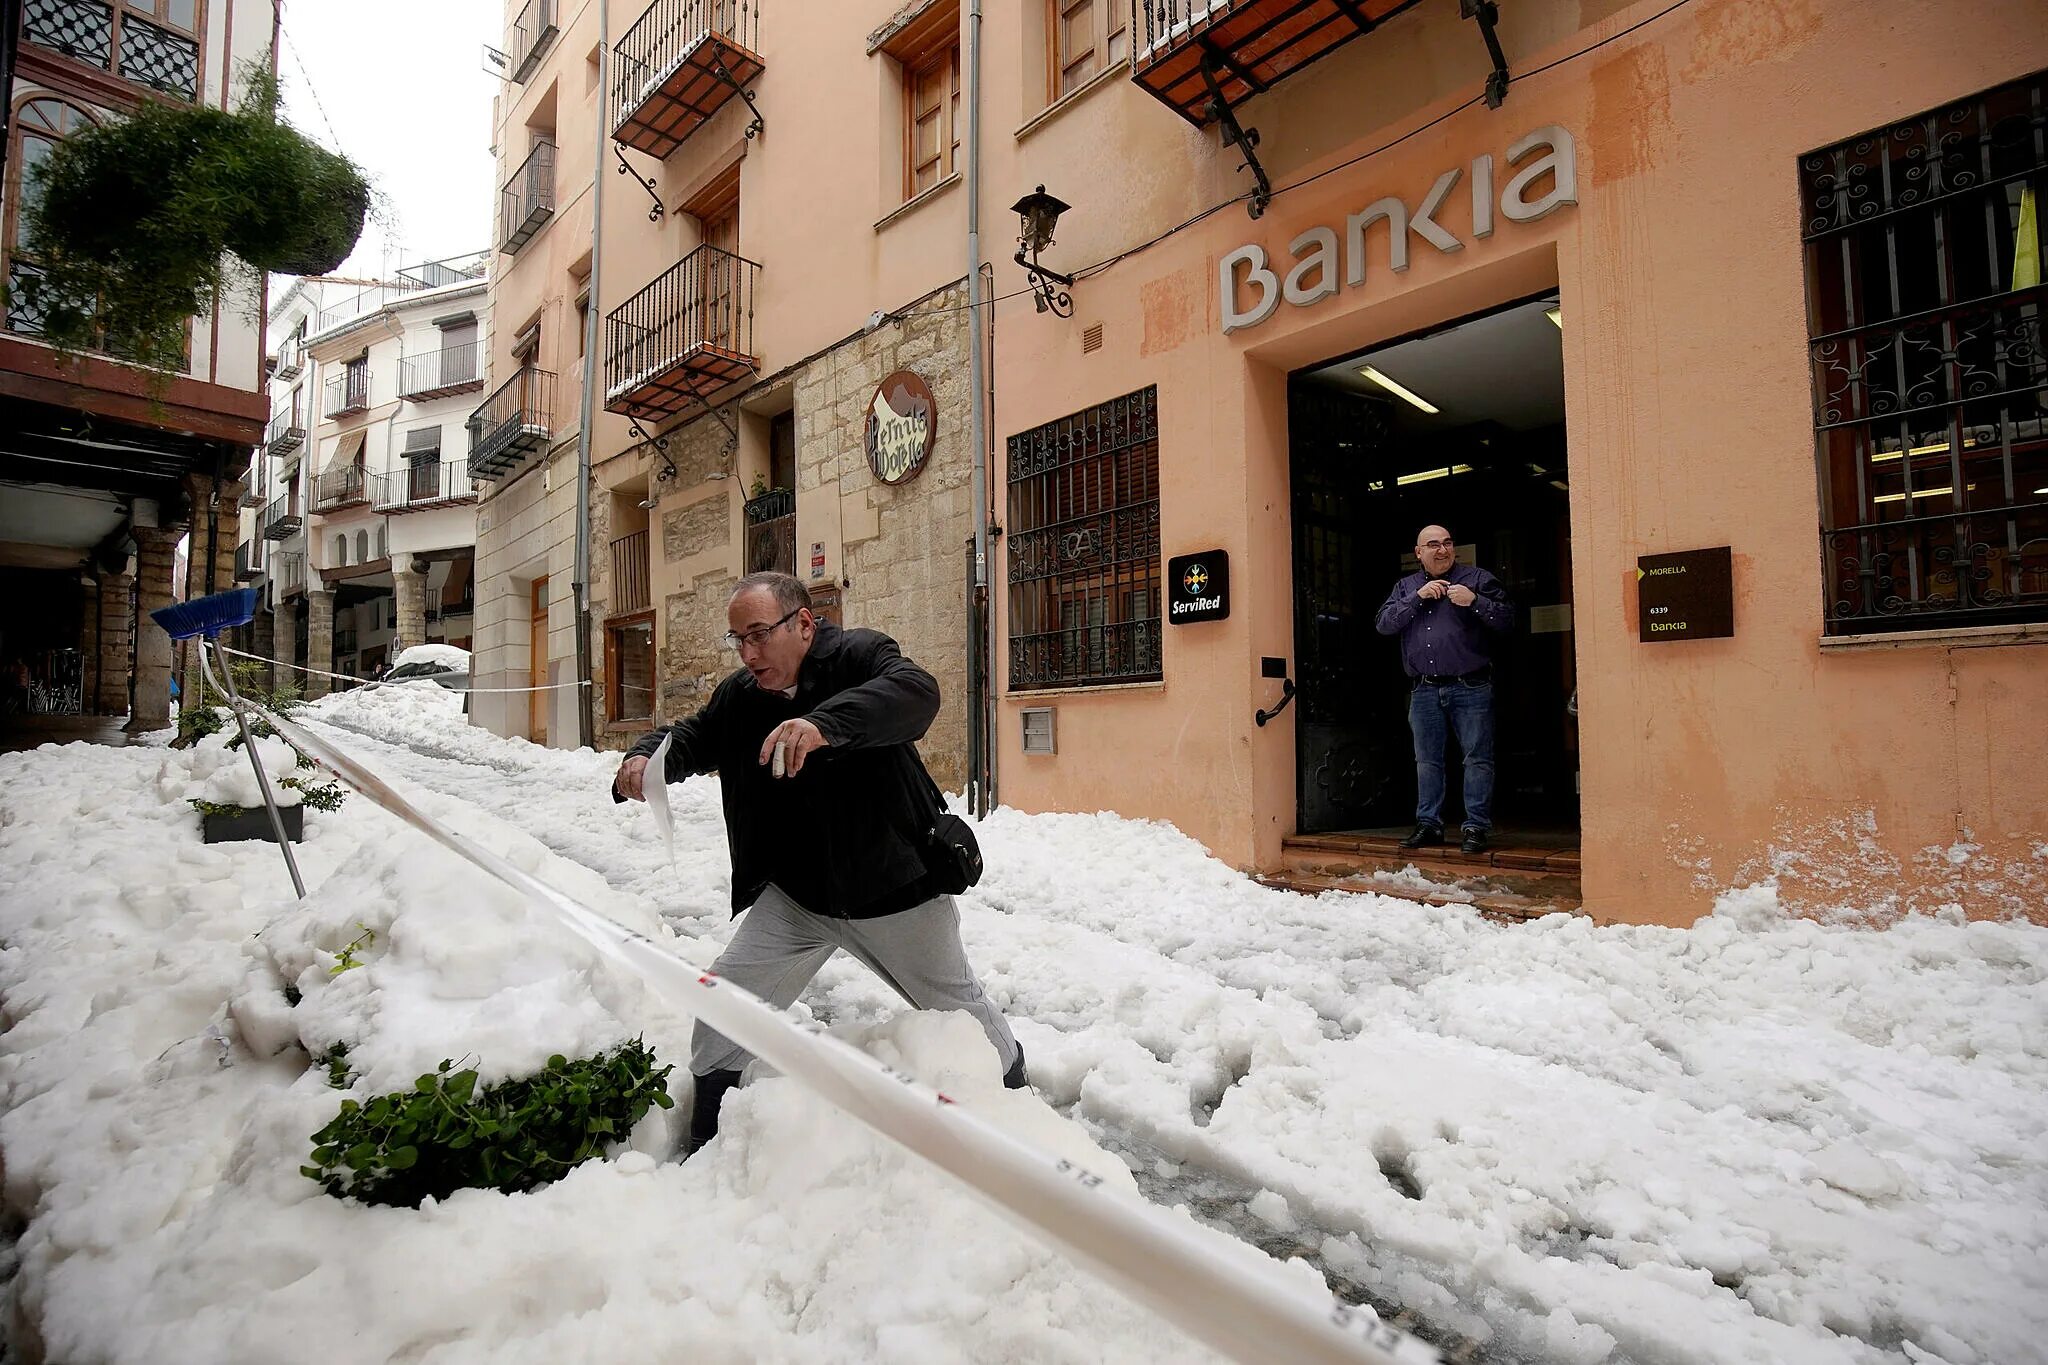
[[1548, 151], [1197, 587]]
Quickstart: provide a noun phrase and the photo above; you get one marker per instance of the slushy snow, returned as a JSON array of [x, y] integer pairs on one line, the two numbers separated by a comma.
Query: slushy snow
[[1761, 1139]]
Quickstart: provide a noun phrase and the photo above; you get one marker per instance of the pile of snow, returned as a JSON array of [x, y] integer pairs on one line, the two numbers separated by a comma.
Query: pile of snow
[[1761, 1139], [437, 657], [211, 771]]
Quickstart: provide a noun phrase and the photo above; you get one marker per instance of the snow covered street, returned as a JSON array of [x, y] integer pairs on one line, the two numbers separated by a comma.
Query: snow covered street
[[1761, 1139]]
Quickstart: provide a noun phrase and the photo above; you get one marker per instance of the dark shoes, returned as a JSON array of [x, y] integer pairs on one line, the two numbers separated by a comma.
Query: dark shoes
[[1474, 842], [1425, 836], [704, 1102], [1014, 1078]]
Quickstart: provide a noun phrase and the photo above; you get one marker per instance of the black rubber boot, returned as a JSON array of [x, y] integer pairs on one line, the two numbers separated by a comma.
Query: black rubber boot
[[710, 1093], [1014, 1078]]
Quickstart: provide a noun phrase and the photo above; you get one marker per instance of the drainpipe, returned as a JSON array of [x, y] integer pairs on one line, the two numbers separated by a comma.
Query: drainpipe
[[586, 728], [981, 760]]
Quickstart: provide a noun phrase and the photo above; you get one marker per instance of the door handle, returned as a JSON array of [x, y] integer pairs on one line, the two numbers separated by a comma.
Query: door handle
[[1286, 696]]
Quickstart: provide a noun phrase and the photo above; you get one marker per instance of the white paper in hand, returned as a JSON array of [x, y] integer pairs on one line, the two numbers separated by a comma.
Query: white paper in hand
[[654, 786]]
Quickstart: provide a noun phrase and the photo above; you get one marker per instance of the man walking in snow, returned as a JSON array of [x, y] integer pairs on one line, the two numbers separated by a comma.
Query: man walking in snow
[[1447, 616], [826, 805]]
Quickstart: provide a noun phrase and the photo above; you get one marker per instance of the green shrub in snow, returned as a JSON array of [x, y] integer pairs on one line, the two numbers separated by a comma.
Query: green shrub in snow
[[445, 1134]]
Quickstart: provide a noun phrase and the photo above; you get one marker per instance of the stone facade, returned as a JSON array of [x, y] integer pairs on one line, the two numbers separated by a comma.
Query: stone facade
[[216, 509], [319, 642], [108, 695], [410, 585], [156, 555], [899, 551]]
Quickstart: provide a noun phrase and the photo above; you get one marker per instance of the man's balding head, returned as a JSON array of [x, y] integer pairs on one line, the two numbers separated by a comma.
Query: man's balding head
[[1436, 551]]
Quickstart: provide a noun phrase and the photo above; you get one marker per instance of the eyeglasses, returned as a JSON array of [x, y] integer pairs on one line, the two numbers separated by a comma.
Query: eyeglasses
[[1437, 545], [756, 637]]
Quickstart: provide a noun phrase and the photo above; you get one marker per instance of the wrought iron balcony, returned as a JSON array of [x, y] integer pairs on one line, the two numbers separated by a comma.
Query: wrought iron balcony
[[532, 36], [512, 423], [678, 65], [291, 575], [337, 489], [344, 642], [438, 374], [285, 434], [629, 585], [424, 484], [247, 570], [129, 46], [291, 360], [1192, 53], [347, 392], [528, 199], [683, 337], [281, 520]]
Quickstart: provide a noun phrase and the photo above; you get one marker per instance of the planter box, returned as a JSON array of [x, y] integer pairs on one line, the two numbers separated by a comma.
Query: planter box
[[253, 822]]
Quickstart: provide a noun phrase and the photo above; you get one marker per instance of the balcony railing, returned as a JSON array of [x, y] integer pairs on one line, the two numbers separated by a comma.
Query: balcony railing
[[347, 392], [528, 199], [532, 36], [335, 489], [281, 519], [344, 642], [291, 360], [1248, 45], [426, 483], [291, 575], [247, 570], [630, 591], [678, 65], [285, 434], [464, 605], [685, 336], [132, 48], [437, 374], [511, 424]]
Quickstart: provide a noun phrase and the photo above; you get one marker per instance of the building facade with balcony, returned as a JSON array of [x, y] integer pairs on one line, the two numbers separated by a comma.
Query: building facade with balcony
[[105, 468], [382, 514]]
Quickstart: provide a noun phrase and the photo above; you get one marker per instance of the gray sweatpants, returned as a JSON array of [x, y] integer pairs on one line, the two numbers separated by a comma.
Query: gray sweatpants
[[780, 946]]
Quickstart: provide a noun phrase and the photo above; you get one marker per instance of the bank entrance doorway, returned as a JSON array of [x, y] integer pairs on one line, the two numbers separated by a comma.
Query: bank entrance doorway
[[1461, 427]]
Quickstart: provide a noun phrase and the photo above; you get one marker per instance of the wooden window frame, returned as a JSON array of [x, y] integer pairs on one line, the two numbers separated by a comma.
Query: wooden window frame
[[613, 675], [941, 53], [1111, 21]]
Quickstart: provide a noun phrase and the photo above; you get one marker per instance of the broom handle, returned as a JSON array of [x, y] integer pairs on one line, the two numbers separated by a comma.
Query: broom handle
[[227, 684]]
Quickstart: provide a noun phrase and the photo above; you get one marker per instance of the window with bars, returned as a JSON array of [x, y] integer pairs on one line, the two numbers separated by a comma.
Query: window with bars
[[150, 42], [1083, 546], [1930, 385]]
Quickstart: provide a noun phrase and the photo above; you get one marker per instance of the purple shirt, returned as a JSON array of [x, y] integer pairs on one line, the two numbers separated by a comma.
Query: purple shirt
[[1440, 638]]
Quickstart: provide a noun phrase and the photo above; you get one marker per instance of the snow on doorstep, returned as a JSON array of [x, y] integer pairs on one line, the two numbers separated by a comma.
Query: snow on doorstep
[[1762, 1139]]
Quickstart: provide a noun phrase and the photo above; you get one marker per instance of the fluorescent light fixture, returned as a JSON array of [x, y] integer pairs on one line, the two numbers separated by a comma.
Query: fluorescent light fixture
[[1918, 493], [1395, 389], [1556, 314], [1424, 475], [1938, 448], [1560, 485]]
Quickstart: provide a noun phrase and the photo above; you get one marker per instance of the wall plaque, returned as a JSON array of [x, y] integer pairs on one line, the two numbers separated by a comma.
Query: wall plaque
[[1689, 595], [902, 424]]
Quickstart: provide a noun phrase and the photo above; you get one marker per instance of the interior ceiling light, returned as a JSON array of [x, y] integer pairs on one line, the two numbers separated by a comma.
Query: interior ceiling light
[[1395, 389], [1423, 475], [1918, 493], [1556, 315], [1560, 485], [1938, 448]]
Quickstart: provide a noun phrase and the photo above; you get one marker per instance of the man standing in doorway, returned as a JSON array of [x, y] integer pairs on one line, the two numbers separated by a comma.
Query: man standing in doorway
[[1447, 615], [826, 801]]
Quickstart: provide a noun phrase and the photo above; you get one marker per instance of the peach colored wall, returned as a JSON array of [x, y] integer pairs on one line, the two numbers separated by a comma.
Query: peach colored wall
[[1705, 764]]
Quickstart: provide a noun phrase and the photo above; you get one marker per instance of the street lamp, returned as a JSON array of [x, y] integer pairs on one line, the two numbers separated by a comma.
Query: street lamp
[[1038, 213]]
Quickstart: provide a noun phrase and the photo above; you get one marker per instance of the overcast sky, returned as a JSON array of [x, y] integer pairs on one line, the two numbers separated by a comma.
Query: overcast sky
[[405, 97]]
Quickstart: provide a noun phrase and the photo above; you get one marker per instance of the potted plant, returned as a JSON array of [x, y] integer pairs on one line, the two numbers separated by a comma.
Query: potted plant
[[229, 804], [136, 223]]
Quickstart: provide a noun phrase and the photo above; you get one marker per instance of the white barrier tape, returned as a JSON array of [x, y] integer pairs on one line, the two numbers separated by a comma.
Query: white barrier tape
[[380, 682], [656, 792], [1155, 1258]]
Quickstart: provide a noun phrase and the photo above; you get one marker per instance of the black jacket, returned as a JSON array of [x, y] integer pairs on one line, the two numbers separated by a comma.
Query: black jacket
[[842, 836]]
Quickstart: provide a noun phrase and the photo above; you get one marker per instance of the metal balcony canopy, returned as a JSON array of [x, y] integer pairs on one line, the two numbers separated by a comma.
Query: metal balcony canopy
[[1249, 46], [678, 65]]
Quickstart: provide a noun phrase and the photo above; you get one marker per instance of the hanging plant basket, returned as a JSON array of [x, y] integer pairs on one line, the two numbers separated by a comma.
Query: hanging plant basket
[[138, 221]]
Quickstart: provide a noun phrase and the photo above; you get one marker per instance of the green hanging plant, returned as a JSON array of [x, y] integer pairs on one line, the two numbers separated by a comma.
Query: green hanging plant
[[134, 225]]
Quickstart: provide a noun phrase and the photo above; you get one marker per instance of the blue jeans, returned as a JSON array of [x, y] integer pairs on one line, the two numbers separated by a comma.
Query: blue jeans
[[1466, 708]]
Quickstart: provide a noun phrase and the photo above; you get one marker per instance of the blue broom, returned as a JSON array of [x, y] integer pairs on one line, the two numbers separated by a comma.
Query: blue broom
[[204, 618]]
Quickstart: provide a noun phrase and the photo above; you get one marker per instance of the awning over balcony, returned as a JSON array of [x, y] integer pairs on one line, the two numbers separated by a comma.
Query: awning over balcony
[[1249, 45], [511, 424], [683, 337], [678, 65]]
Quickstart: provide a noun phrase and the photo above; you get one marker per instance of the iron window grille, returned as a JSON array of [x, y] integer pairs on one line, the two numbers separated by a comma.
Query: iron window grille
[[1084, 547], [112, 39], [1930, 386]]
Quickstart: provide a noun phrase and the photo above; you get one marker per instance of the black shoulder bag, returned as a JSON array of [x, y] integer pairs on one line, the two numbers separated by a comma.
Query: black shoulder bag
[[952, 855]]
